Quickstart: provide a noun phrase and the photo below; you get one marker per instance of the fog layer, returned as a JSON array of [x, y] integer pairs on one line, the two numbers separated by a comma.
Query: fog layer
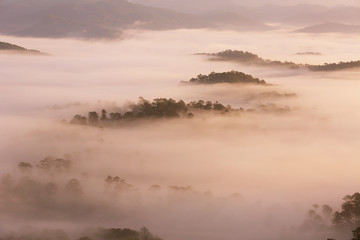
[[251, 175]]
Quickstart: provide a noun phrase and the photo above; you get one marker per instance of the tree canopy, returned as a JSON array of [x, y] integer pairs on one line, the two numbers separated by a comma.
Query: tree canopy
[[251, 58], [226, 77], [144, 109]]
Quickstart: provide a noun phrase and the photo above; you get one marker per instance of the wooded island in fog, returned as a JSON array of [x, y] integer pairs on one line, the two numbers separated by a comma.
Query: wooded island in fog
[[233, 77], [253, 59], [158, 108], [12, 48]]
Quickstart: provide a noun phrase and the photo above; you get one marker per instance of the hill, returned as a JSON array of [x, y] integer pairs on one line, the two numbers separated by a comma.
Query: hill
[[253, 59], [105, 18], [293, 14], [232, 77], [331, 27], [8, 47], [160, 108], [247, 58]]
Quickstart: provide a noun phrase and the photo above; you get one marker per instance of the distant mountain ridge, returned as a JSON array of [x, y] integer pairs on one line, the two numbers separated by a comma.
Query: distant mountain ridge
[[105, 18], [296, 14], [331, 27], [8, 47]]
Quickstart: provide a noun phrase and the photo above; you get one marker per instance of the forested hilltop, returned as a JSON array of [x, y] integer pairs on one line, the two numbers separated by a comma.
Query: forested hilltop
[[8, 47], [226, 77], [91, 234], [162, 108], [107, 19], [253, 59], [158, 108]]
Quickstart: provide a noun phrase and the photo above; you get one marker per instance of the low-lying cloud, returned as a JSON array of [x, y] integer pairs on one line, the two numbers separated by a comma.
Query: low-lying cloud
[[252, 174]]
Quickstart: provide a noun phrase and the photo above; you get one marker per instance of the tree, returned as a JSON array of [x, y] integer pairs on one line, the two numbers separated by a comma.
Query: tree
[[24, 166], [93, 118], [78, 119], [356, 234], [327, 210], [350, 213], [145, 234], [103, 115], [73, 187], [115, 116]]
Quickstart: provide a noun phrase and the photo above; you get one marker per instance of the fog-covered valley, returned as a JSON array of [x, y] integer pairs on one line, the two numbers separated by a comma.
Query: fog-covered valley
[[249, 174]]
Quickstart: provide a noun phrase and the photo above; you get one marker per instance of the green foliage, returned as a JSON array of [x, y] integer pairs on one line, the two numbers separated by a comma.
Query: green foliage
[[124, 234], [78, 119], [24, 166], [226, 77], [93, 118], [99, 234], [118, 184], [239, 56], [250, 58], [144, 109], [51, 163], [356, 234], [85, 238], [335, 66], [350, 211], [118, 234], [145, 234], [160, 107]]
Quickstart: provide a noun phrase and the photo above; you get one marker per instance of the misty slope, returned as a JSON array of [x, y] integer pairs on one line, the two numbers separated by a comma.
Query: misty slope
[[198, 6], [104, 18], [297, 14], [331, 27], [305, 14], [8, 47], [249, 58]]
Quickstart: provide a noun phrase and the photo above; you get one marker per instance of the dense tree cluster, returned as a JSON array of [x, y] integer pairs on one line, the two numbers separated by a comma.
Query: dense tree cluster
[[350, 211], [345, 220], [237, 55], [49, 163], [47, 234], [226, 77], [208, 105], [123, 234], [250, 58], [335, 66], [158, 108], [92, 234], [118, 184]]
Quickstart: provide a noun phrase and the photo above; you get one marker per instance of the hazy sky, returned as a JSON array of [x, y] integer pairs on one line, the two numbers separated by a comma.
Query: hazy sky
[[255, 2], [293, 2]]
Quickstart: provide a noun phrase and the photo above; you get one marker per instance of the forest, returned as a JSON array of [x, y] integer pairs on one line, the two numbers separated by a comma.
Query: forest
[[233, 77], [253, 59], [145, 109], [98, 233]]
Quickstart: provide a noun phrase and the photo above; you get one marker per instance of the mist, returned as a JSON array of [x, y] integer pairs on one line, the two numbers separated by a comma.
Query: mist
[[252, 174]]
